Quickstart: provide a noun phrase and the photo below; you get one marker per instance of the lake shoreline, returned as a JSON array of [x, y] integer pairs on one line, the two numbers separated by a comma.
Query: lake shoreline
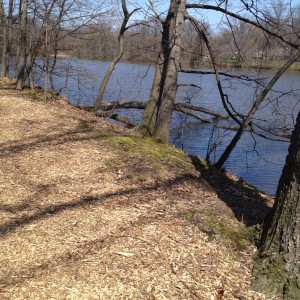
[[90, 207], [270, 64], [131, 82]]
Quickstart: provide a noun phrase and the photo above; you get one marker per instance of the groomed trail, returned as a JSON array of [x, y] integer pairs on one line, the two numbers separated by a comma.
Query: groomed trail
[[90, 210]]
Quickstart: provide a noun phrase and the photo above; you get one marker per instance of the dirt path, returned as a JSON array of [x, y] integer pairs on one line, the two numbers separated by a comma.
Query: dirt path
[[88, 212]]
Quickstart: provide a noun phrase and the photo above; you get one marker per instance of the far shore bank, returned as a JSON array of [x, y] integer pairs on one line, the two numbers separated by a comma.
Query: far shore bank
[[250, 64]]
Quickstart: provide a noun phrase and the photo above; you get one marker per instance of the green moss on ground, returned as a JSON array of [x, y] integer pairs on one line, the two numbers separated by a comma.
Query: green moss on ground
[[233, 233], [144, 158], [145, 146], [138, 158]]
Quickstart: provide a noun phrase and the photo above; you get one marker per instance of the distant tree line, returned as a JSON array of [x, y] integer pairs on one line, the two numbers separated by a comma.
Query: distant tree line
[[85, 30]]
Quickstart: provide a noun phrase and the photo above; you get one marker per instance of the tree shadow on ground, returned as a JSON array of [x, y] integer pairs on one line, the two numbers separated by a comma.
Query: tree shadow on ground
[[54, 209], [246, 203], [12, 148], [91, 247]]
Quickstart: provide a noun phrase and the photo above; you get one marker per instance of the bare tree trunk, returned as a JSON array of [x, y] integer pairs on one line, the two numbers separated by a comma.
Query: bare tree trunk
[[30, 61], [22, 65], [4, 63], [35, 45], [164, 87], [277, 267], [4, 38], [2, 15], [116, 59], [260, 98], [47, 59], [57, 29], [2, 20], [150, 113], [16, 62], [7, 39]]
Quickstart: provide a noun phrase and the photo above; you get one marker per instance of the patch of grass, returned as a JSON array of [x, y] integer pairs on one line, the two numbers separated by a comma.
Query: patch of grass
[[212, 223], [82, 124], [232, 61], [34, 96], [130, 176], [90, 131], [159, 178], [141, 178], [136, 145], [145, 158], [115, 164], [147, 148]]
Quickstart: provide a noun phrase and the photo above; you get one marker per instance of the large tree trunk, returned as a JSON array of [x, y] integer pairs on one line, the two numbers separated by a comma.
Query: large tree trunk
[[2, 18], [7, 39], [175, 18], [157, 116], [22, 65], [4, 39], [150, 113], [277, 267]]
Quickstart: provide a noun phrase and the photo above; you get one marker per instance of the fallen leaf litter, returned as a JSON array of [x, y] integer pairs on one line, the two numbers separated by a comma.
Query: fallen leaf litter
[[70, 231]]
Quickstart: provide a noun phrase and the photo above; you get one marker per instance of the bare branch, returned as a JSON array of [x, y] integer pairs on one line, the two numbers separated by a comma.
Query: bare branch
[[223, 96], [241, 77], [117, 117], [155, 12], [246, 20], [136, 24], [189, 85]]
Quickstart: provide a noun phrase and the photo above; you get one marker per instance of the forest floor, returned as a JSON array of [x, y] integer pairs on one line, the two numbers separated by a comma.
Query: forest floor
[[90, 210]]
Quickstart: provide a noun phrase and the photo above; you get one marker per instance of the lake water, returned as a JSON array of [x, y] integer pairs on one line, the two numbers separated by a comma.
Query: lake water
[[255, 159]]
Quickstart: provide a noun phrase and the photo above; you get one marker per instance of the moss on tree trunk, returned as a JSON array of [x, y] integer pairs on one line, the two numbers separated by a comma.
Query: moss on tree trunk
[[277, 262]]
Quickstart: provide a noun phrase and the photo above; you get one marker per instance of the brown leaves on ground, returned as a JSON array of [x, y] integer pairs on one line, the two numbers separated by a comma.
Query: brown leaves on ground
[[88, 212]]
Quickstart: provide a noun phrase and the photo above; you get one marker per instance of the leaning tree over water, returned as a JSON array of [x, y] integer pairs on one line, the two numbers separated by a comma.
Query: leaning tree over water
[[158, 112]]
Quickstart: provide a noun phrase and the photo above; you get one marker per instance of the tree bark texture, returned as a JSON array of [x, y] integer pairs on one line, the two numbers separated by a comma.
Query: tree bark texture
[[7, 39], [150, 113], [277, 267], [175, 26], [158, 113], [22, 65]]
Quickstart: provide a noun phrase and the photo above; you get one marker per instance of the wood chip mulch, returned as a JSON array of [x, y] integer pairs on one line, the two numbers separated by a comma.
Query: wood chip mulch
[[70, 231]]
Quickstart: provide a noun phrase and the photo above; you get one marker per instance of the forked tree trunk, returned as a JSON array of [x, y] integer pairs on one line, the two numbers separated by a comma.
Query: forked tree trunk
[[277, 267], [157, 117]]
